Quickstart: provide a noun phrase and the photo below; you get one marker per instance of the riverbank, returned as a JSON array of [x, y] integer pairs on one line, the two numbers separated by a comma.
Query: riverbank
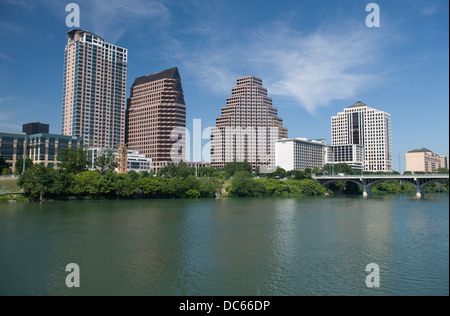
[[92, 186]]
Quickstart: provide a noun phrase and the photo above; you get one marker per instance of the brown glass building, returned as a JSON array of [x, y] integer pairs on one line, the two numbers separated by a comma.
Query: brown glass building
[[155, 108]]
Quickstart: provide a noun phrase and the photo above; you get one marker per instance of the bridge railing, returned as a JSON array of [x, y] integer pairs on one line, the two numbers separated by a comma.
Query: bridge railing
[[384, 175]]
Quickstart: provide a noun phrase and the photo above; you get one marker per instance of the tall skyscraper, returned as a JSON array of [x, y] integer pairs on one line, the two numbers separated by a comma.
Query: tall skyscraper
[[156, 116], [248, 127], [360, 124], [94, 95]]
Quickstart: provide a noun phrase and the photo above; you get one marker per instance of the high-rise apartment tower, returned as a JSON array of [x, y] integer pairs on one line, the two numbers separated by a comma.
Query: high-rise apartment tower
[[94, 95]]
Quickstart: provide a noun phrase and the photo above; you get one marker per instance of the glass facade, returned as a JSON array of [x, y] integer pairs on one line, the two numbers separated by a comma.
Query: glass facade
[[40, 148]]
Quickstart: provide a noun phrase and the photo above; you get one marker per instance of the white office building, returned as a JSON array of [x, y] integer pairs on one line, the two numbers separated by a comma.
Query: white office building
[[352, 155], [300, 153], [362, 125]]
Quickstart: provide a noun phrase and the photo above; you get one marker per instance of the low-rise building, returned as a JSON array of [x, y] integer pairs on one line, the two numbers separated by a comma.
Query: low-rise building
[[424, 160], [134, 160], [40, 148], [300, 153], [352, 155]]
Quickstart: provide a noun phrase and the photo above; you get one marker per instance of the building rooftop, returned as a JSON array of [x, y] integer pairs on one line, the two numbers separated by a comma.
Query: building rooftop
[[171, 73], [73, 31], [306, 140], [422, 150], [357, 105]]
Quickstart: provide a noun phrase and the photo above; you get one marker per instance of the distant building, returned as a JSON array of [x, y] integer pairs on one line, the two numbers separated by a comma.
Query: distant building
[[352, 155], [35, 128], [248, 127], [362, 125], [122, 160], [157, 166], [127, 160], [135, 161], [40, 148], [444, 161], [424, 160], [155, 108], [94, 90], [300, 153]]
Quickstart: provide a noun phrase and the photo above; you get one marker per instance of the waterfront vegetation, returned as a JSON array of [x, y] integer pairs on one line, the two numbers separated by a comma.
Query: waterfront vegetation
[[41, 183], [73, 181]]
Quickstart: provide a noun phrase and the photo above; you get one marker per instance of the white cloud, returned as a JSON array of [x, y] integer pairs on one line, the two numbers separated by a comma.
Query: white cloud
[[309, 70], [314, 69]]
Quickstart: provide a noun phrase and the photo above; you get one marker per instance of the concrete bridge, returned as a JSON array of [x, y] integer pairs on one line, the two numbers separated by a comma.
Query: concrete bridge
[[420, 181]]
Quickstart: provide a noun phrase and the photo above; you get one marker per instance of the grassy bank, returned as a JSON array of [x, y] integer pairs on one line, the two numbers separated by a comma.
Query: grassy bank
[[9, 185]]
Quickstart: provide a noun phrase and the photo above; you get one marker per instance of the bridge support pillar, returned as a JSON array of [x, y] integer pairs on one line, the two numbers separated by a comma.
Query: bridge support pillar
[[420, 192], [367, 191], [420, 189]]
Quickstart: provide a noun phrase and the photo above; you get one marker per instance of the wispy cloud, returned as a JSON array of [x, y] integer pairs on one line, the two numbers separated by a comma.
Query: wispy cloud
[[314, 69], [7, 119], [22, 4], [4, 99], [5, 57], [306, 69], [431, 10], [112, 18], [9, 29]]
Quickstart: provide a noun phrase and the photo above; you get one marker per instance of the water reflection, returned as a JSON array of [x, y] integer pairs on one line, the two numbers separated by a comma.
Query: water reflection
[[311, 246]]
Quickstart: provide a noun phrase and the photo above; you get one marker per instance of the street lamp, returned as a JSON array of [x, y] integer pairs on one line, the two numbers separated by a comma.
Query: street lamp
[[24, 153]]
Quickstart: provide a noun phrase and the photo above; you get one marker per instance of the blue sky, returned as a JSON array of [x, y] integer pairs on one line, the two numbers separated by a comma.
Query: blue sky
[[315, 59]]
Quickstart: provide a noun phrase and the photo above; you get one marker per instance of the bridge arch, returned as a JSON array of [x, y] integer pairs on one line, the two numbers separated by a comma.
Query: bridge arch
[[367, 182]]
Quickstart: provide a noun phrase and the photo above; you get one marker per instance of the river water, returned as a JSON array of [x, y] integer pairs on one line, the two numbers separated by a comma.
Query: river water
[[305, 246]]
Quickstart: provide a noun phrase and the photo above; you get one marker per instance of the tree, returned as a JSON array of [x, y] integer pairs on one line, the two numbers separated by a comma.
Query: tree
[[124, 186], [3, 164], [243, 185], [106, 161], [19, 165], [296, 174], [172, 170], [86, 183], [149, 186], [39, 182], [232, 167], [279, 173], [5, 172], [317, 171], [73, 161]]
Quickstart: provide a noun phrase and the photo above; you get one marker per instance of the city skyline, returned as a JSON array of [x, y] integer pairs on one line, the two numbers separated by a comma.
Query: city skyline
[[331, 61]]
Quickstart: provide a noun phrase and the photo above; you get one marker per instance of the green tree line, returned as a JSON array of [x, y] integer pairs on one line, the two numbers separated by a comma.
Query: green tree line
[[72, 179]]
